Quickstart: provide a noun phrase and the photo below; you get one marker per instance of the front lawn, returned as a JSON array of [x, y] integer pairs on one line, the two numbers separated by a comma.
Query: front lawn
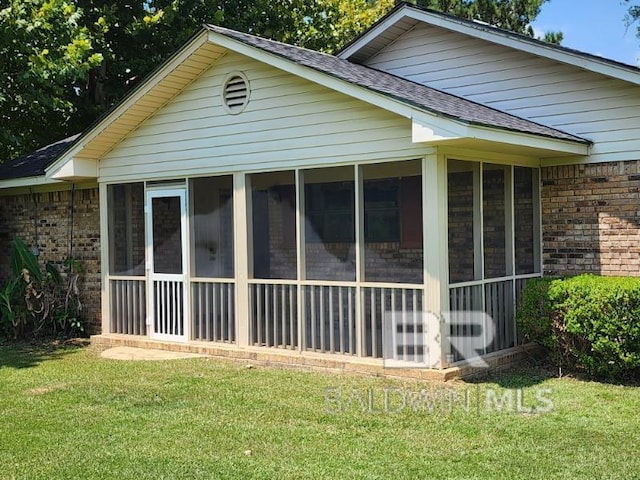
[[66, 413]]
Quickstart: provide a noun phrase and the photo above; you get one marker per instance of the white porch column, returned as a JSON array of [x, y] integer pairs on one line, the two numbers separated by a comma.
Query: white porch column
[[243, 249], [435, 245]]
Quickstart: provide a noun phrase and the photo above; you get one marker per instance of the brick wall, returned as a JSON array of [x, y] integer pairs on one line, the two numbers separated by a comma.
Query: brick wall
[[51, 212], [591, 219]]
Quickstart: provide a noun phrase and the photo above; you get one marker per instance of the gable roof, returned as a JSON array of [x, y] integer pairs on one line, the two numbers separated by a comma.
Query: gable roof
[[417, 95], [34, 164], [405, 16]]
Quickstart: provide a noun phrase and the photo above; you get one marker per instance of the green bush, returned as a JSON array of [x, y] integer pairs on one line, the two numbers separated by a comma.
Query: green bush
[[587, 321], [35, 302]]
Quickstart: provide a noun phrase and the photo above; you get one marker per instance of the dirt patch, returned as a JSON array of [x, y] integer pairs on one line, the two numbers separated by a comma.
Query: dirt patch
[[137, 354], [47, 389]]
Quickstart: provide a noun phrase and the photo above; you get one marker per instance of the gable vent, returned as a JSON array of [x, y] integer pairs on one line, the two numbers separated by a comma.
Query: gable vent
[[235, 93]]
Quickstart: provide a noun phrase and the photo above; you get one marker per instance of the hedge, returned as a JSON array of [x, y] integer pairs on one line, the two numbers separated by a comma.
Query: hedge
[[587, 322]]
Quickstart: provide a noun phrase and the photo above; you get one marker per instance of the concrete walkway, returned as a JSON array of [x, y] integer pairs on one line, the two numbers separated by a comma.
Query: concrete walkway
[[133, 353]]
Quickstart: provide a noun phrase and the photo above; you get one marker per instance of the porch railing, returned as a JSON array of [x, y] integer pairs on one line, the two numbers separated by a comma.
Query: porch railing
[[389, 310], [495, 297], [213, 317], [333, 317], [128, 305], [273, 314], [329, 317]]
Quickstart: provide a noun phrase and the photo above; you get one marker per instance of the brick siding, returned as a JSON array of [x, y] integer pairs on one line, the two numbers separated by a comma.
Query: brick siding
[[591, 219], [51, 212]]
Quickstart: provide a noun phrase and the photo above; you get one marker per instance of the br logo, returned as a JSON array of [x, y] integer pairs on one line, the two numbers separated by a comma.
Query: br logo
[[412, 339]]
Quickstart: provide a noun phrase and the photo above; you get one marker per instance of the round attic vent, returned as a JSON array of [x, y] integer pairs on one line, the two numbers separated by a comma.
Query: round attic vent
[[235, 93]]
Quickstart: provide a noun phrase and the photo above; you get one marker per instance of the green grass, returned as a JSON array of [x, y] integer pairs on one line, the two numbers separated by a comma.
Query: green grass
[[66, 413]]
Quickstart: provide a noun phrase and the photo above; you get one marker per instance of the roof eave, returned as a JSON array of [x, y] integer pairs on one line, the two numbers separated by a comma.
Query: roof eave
[[462, 133], [23, 182]]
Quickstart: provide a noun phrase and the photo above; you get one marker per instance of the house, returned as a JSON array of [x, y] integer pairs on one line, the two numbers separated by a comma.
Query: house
[[261, 199]]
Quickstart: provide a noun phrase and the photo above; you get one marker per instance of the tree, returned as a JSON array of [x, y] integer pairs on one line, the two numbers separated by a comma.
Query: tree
[[513, 15], [46, 55], [632, 16]]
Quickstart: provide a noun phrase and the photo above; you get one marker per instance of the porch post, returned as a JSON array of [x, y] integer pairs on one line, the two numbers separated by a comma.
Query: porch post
[[301, 258], [105, 310], [361, 349], [243, 251], [436, 264]]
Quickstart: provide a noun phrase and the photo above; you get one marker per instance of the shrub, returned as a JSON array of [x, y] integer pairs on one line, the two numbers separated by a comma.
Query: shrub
[[37, 302], [586, 322]]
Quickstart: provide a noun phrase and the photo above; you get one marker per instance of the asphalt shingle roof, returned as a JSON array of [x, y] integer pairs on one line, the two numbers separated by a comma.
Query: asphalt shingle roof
[[415, 94], [34, 164]]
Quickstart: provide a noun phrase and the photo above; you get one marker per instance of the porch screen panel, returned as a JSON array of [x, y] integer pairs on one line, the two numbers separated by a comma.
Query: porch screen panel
[[273, 225], [526, 228], [126, 229], [329, 220], [495, 190], [393, 222], [273, 295], [212, 227], [463, 221]]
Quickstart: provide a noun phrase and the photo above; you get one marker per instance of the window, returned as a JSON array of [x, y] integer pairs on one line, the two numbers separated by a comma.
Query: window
[[330, 209], [382, 210], [330, 212]]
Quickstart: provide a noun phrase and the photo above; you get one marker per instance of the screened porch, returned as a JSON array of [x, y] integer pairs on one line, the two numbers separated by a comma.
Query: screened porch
[[349, 260]]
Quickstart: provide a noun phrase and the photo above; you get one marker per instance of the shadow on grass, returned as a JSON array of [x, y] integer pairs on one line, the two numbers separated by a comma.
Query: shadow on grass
[[27, 355], [538, 368], [532, 371]]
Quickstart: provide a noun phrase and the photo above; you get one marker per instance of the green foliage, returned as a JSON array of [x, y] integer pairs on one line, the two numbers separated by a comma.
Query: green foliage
[[513, 15], [633, 15], [46, 55], [35, 303], [586, 321]]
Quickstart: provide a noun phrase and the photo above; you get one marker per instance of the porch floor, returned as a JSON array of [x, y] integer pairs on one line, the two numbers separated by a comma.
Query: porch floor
[[315, 361]]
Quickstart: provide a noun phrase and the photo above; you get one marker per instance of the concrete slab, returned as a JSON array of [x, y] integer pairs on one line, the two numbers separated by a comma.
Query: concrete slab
[[133, 353]]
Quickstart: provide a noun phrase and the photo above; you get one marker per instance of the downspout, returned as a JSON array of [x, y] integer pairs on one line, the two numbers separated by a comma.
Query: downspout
[[70, 227]]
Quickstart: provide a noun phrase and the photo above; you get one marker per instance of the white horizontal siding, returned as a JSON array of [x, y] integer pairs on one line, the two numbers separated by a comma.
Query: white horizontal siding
[[288, 122], [587, 104]]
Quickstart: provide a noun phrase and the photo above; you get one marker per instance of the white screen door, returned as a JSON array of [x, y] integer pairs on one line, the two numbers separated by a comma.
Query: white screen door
[[166, 254]]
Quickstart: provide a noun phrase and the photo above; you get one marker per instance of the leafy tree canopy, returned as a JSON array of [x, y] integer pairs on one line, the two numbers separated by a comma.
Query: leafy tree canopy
[[70, 60], [633, 15], [46, 54]]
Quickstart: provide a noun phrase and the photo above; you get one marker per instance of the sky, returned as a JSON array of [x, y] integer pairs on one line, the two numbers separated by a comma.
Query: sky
[[592, 26]]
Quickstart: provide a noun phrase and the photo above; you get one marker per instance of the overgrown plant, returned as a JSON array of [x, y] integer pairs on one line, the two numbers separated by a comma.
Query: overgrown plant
[[586, 321], [36, 302]]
